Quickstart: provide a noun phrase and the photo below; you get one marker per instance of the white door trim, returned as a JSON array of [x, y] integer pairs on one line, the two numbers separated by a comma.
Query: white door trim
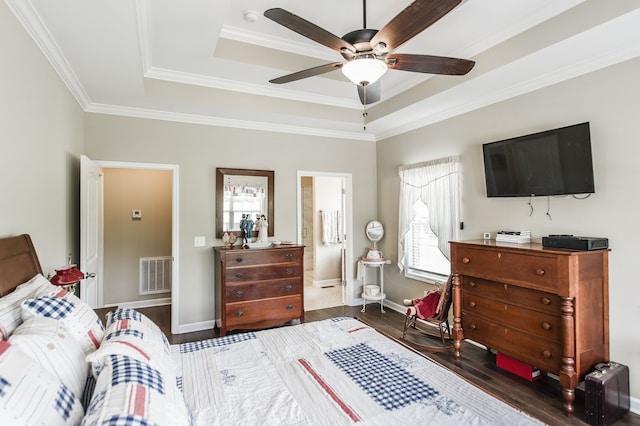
[[350, 299], [175, 246]]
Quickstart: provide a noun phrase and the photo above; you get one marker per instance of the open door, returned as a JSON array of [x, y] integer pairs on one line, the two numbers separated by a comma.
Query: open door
[[91, 231]]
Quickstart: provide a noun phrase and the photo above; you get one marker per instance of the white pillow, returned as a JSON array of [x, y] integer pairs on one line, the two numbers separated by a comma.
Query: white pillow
[[131, 333], [80, 319], [51, 344], [10, 309], [129, 391], [30, 395]]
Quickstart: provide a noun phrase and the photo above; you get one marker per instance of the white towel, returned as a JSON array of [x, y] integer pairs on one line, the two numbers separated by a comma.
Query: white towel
[[330, 227]]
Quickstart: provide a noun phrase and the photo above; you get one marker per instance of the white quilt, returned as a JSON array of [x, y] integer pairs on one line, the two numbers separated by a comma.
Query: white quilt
[[330, 372]]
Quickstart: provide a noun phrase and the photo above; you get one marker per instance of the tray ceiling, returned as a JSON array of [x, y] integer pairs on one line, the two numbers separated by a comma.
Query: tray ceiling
[[202, 62]]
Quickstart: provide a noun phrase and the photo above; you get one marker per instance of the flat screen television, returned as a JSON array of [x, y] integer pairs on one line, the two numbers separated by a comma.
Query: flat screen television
[[553, 162]]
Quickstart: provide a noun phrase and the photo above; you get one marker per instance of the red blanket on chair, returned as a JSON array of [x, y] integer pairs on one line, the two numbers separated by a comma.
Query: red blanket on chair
[[425, 307]]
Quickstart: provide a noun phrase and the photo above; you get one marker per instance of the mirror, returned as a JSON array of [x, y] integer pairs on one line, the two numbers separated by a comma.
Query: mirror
[[374, 231], [243, 192]]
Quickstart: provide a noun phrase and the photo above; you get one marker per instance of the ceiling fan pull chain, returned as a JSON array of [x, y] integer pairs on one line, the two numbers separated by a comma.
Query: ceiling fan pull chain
[[364, 107]]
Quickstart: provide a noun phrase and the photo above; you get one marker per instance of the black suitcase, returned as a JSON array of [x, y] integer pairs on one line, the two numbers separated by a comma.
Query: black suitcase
[[606, 394]]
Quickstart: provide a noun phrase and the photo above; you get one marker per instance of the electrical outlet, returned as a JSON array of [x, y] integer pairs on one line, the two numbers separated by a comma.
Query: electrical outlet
[[199, 241]]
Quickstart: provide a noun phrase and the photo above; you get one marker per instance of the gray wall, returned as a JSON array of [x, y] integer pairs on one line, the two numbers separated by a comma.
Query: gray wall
[[608, 99], [198, 150], [41, 140]]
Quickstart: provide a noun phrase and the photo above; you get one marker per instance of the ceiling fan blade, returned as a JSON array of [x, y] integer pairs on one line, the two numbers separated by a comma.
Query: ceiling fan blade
[[429, 64], [370, 93], [310, 72], [414, 19], [308, 29]]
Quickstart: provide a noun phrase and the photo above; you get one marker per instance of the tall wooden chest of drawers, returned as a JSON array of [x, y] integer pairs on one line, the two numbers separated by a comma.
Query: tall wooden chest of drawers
[[546, 307], [258, 288]]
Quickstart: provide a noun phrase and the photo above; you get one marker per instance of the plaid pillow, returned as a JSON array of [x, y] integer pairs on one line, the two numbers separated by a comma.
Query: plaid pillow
[[51, 344], [132, 334], [29, 394], [10, 305], [80, 319], [131, 392]]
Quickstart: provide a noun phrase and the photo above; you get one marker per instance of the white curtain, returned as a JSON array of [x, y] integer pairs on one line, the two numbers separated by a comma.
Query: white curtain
[[436, 184]]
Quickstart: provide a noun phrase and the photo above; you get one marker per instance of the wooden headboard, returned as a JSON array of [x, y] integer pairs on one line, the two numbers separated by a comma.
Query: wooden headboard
[[18, 262]]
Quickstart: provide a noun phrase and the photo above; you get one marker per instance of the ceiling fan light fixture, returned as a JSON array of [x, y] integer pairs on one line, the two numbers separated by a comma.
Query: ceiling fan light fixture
[[365, 70]]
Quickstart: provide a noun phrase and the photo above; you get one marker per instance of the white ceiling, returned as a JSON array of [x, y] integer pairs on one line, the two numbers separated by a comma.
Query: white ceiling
[[200, 61]]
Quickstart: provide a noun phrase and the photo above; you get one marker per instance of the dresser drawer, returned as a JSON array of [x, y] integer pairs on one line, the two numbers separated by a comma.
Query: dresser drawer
[[514, 267], [531, 299], [544, 354], [262, 257], [259, 273], [263, 290], [249, 312], [532, 322]]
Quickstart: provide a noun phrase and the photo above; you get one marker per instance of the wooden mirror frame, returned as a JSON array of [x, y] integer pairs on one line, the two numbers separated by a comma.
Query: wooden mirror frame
[[220, 174]]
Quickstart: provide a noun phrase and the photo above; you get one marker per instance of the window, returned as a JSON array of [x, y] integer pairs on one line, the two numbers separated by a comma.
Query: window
[[424, 258], [428, 217]]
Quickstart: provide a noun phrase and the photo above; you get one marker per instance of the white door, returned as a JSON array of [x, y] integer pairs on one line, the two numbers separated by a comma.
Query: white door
[[91, 231]]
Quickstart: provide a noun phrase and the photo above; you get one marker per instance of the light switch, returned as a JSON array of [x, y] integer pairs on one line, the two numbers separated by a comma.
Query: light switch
[[136, 214], [199, 241]]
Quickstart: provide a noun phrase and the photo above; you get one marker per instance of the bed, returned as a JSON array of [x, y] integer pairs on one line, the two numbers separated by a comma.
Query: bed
[[60, 365]]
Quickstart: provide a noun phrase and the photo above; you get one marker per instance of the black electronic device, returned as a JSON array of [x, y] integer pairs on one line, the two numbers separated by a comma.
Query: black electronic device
[[575, 243], [553, 162]]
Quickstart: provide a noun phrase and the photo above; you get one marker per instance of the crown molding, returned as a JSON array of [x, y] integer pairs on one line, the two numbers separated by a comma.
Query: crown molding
[[622, 44], [279, 43], [249, 88], [226, 122]]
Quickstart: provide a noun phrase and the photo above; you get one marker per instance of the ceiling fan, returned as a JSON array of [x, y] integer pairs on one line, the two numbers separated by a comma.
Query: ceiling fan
[[368, 52]]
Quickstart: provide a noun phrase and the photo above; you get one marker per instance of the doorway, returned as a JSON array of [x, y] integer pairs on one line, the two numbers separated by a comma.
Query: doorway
[[324, 228], [132, 229]]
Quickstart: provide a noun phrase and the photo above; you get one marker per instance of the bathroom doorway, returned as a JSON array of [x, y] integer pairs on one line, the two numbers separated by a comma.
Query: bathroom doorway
[[324, 229]]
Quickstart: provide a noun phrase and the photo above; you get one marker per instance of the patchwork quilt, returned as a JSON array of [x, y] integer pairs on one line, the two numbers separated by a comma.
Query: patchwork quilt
[[331, 372]]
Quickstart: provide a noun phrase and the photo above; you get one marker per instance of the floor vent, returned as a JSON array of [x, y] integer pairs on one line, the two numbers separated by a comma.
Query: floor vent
[[155, 275]]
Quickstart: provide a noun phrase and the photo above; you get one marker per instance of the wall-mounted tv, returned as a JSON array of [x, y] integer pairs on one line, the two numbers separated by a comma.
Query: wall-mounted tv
[[553, 162]]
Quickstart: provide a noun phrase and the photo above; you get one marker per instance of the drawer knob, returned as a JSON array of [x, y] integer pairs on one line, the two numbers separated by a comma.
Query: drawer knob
[[472, 284], [289, 271], [289, 307], [546, 326], [238, 259], [239, 293], [288, 256], [466, 260], [473, 326], [239, 313], [546, 301], [239, 275], [472, 304], [546, 354], [288, 287], [540, 272]]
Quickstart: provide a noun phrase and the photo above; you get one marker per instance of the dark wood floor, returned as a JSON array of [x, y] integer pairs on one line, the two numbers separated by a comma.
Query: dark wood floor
[[541, 399]]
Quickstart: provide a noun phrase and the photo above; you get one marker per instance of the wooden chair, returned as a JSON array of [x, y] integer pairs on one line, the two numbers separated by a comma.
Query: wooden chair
[[439, 320]]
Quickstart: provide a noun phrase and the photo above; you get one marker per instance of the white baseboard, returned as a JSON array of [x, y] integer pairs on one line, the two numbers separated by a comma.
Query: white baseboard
[[141, 303], [196, 326], [327, 283]]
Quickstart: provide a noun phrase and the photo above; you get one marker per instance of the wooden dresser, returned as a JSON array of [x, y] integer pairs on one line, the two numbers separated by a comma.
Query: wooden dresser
[[546, 307], [258, 288]]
